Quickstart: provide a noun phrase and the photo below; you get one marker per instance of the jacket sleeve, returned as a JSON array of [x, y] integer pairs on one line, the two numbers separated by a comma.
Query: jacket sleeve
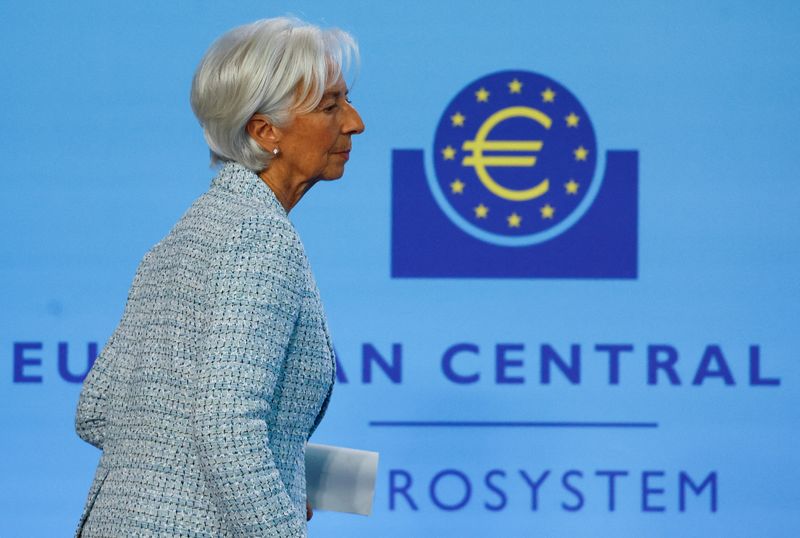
[[90, 417], [252, 304], [97, 390]]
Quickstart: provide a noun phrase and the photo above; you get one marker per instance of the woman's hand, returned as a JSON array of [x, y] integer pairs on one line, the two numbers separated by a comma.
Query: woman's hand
[[309, 511]]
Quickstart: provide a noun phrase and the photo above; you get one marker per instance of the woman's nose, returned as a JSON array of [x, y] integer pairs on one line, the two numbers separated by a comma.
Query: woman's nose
[[353, 123]]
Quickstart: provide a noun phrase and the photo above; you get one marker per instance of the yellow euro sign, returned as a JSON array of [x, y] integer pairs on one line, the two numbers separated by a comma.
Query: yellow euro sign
[[479, 161]]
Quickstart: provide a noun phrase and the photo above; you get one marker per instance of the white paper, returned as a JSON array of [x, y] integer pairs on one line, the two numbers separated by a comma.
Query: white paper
[[340, 479]]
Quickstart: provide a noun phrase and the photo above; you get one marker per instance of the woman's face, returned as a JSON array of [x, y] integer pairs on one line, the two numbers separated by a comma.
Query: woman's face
[[316, 145]]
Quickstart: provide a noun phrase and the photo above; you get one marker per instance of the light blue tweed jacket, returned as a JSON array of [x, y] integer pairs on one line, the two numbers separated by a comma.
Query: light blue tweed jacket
[[219, 371]]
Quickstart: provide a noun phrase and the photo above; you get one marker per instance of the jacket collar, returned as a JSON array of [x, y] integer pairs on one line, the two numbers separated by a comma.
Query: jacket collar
[[236, 178]]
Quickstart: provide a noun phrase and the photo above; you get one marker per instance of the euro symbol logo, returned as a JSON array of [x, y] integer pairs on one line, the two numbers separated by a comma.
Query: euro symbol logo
[[479, 161]]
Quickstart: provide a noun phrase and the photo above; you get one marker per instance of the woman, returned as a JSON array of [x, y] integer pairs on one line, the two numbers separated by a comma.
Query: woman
[[221, 367]]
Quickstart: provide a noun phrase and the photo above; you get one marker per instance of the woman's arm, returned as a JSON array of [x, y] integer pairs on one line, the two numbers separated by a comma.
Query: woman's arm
[[253, 303], [90, 417]]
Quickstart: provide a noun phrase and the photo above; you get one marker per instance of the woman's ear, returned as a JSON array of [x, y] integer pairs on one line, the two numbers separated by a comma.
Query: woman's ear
[[263, 132]]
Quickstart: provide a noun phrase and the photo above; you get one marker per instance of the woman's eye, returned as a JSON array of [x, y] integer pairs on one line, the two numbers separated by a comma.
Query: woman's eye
[[330, 108]]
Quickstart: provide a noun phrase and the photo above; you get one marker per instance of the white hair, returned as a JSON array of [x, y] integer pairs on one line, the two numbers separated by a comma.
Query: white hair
[[275, 67]]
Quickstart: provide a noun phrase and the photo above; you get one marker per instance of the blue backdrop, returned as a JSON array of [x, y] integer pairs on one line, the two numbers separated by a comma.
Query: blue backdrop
[[511, 390]]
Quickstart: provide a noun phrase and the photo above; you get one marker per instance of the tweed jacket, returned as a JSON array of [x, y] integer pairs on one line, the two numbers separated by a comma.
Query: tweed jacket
[[219, 371]]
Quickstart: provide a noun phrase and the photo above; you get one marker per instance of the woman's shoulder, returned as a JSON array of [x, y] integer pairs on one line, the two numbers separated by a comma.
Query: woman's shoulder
[[220, 223], [235, 221], [223, 221]]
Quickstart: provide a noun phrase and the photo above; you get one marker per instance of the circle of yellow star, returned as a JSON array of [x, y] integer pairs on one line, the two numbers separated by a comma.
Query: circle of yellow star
[[514, 220], [457, 119], [482, 95], [571, 186], [547, 211], [548, 96], [572, 120], [515, 86], [457, 186], [449, 153], [481, 211], [581, 153]]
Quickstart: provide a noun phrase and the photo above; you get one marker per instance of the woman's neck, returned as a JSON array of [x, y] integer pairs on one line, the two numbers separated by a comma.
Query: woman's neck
[[287, 191]]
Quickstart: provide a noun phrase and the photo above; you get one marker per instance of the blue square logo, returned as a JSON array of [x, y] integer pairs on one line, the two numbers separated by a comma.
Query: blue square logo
[[511, 189]]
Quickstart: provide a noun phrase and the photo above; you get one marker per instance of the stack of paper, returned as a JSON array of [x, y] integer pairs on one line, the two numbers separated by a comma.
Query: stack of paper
[[340, 479]]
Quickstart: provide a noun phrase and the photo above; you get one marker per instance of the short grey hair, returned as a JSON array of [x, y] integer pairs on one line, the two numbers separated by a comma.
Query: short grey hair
[[275, 67]]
